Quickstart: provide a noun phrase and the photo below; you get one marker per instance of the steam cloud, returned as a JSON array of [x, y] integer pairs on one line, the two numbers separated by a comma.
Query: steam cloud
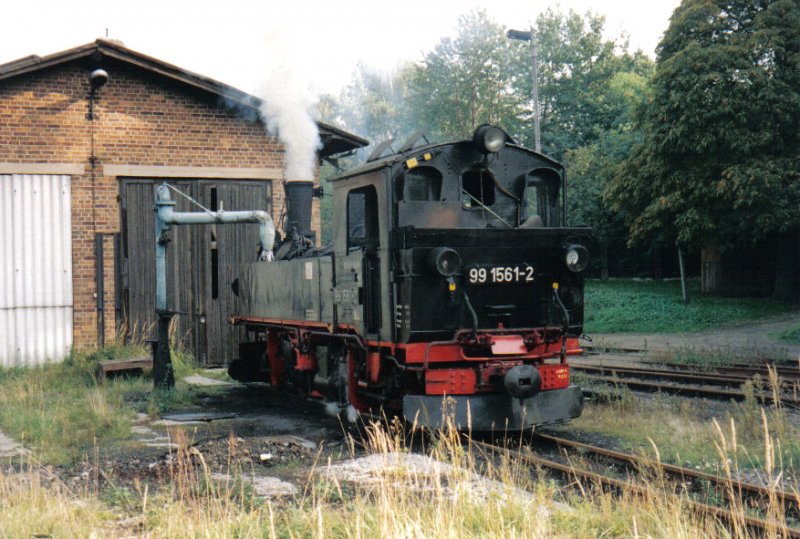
[[288, 108]]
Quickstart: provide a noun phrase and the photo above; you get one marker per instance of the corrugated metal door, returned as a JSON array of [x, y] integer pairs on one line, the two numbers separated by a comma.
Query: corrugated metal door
[[35, 269]]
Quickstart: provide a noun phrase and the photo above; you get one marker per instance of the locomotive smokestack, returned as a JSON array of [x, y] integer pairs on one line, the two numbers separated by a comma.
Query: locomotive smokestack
[[288, 105], [287, 110], [298, 206]]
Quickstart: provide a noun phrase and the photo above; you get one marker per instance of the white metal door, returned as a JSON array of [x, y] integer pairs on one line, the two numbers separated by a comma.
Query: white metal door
[[35, 269]]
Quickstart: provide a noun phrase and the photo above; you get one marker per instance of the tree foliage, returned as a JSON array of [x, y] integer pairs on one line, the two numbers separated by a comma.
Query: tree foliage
[[576, 65], [592, 166], [465, 80], [373, 104], [720, 160], [588, 86]]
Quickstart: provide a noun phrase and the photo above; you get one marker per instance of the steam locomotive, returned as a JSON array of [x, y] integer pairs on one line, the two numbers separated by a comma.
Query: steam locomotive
[[453, 291]]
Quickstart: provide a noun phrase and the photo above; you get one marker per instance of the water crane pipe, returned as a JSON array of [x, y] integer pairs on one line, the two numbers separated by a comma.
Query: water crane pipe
[[166, 216]]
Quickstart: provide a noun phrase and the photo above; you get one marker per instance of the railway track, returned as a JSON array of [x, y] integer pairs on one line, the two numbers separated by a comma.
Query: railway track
[[694, 383], [757, 366], [785, 372], [688, 484]]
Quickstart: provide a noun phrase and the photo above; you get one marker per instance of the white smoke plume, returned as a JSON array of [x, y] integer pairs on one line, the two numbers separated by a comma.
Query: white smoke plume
[[289, 104]]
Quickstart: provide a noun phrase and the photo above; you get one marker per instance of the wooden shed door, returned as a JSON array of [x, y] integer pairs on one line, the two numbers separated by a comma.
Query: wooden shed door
[[202, 262]]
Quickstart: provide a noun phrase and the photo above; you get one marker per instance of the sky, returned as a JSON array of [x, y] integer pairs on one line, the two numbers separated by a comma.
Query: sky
[[242, 43]]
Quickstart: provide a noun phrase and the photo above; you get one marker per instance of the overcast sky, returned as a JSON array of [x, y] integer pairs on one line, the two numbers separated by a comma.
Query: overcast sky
[[237, 41]]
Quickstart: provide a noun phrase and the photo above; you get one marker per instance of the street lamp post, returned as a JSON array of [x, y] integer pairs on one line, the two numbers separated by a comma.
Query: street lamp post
[[531, 37]]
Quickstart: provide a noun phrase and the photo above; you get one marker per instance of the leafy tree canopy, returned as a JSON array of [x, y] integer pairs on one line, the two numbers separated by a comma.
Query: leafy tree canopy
[[720, 161]]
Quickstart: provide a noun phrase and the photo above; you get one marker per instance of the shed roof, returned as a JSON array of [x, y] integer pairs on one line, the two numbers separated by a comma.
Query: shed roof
[[334, 140]]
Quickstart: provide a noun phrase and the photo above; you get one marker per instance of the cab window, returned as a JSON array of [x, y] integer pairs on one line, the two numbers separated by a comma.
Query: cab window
[[541, 198], [477, 188], [420, 184], [362, 217]]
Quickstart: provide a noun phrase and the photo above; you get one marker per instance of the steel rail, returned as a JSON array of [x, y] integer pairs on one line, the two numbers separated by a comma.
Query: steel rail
[[681, 376], [759, 366], [625, 486], [703, 378], [679, 389], [783, 371], [724, 484]]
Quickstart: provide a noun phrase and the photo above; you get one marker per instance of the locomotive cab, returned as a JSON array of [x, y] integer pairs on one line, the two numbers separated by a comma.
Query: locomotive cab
[[452, 292]]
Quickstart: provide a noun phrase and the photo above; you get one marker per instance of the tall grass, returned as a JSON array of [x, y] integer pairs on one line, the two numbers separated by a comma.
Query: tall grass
[[32, 505], [61, 411], [686, 431], [456, 493]]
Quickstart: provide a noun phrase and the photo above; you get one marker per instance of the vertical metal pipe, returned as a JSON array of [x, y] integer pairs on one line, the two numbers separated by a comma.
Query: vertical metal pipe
[[164, 203], [537, 136], [164, 207], [531, 36], [99, 289], [117, 280]]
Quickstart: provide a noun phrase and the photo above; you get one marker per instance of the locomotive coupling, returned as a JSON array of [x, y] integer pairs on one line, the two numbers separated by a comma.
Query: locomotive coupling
[[523, 381]]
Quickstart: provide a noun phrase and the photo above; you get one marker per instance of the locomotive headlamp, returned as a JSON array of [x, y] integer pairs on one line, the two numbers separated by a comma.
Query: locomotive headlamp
[[577, 257], [444, 261], [489, 139]]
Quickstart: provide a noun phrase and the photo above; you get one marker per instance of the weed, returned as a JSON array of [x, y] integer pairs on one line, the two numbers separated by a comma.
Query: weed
[[791, 335], [702, 358]]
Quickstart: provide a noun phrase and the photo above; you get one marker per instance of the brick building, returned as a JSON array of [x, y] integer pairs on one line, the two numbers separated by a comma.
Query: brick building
[[76, 180]]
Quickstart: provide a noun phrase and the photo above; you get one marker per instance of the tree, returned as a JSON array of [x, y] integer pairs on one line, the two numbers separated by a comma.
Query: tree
[[719, 165], [576, 65], [465, 81], [373, 104], [592, 167], [589, 87]]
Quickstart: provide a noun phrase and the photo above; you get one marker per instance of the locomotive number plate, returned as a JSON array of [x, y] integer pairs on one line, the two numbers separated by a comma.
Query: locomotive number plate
[[514, 274]]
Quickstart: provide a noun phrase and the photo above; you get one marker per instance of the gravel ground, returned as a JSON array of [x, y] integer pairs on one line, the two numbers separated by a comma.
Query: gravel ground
[[745, 340]]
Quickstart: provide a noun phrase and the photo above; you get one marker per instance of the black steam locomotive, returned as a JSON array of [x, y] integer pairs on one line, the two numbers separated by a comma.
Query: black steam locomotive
[[452, 290]]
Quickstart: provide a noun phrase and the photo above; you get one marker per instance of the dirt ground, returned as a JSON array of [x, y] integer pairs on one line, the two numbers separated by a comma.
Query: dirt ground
[[746, 340], [270, 438]]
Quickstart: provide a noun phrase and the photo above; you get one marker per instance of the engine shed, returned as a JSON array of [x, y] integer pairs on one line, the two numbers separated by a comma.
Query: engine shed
[[80, 159]]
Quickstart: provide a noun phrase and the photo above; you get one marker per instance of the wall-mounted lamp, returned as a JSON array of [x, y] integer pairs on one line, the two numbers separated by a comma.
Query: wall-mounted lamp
[[97, 79]]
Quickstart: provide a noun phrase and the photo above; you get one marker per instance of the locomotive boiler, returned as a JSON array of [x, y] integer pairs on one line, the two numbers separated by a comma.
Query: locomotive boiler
[[453, 290]]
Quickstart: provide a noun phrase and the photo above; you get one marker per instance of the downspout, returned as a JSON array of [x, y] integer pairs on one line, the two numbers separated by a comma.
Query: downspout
[[166, 216]]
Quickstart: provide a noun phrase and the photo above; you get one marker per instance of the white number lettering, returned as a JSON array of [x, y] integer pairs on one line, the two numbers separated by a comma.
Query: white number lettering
[[529, 274], [502, 274]]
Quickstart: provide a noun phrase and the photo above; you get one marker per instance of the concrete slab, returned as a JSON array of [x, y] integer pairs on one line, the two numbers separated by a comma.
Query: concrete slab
[[200, 380], [289, 439], [423, 473], [268, 487], [10, 447], [745, 340]]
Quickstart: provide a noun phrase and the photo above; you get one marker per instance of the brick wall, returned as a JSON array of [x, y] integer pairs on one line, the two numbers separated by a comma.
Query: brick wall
[[142, 119]]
